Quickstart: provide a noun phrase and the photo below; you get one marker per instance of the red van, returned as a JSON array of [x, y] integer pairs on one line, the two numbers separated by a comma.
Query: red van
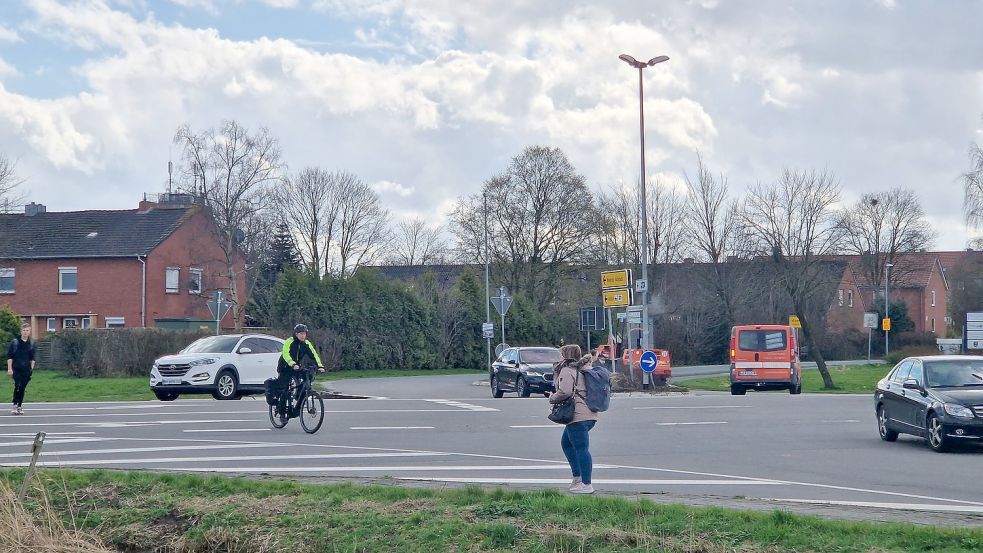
[[663, 369], [764, 357]]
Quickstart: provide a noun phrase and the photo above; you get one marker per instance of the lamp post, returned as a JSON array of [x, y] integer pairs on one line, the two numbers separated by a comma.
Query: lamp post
[[484, 196], [646, 334], [887, 303]]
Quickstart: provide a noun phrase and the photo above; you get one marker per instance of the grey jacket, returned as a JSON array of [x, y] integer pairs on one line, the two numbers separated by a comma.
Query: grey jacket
[[566, 381]]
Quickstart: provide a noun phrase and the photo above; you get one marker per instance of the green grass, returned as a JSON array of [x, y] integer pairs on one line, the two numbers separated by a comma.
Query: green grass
[[53, 386], [847, 379], [144, 511]]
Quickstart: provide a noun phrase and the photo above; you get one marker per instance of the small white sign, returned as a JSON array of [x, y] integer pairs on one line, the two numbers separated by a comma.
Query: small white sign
[[974, 344], [870, 320], [976, 317], [641, 285], [487, 330]]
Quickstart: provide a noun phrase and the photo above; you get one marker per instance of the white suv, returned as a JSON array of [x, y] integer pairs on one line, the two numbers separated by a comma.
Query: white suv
[[227, 367]]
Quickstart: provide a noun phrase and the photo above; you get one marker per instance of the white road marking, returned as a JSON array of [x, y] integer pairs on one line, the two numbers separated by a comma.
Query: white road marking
[[222, 430], [53, 441], [155, 414], [537, 426], [837, 421], [110, 408], [458, 404], [434, 468], [123, 424], [688, 423], [881, 505], [139, 449], [21, 434], [390, 428], [157, 460], [694, 407], [630, 481]]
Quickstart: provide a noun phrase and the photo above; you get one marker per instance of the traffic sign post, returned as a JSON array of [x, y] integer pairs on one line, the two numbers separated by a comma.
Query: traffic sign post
[[218, 308], [619, 297], [973, 331], [886, 325], [487, 330], [616, 279], [502, 302], [870, 323], [648, 361], [794, 322]]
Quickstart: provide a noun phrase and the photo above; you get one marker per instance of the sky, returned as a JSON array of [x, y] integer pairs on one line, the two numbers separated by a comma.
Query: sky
[[426, 99]]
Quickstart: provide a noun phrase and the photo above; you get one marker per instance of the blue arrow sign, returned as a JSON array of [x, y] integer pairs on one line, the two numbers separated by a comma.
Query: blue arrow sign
[[648, 361]]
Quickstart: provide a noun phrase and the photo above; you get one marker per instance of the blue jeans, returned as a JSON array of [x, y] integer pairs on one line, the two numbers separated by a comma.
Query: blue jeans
[[576, 447]]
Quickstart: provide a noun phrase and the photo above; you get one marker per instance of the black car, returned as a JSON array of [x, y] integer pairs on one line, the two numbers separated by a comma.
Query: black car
[[524, 371], [939, 398]]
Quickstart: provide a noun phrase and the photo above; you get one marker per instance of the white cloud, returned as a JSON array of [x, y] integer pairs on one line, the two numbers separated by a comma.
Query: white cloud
[[280, 3], [7, 70], [387, 189], [9, 35]]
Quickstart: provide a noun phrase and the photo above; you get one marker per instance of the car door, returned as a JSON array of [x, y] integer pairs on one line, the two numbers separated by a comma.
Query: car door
[[500, 368], [250, 363], [893, 400], [916, 404], [270, 357]]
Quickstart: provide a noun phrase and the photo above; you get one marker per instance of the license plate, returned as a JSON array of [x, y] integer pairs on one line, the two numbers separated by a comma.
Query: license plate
[[170, 381], [747, 373]]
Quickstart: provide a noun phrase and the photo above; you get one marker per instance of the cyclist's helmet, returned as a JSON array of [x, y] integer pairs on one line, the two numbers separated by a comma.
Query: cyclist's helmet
[[300, 328]]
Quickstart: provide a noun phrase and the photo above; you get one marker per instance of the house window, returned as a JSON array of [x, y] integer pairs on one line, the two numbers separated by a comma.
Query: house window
[[6, 281], [68, 280], [849, 298], [86, 322], [52, 324], [839, 297], [171, 280], [933, 299], [194, 281], [933, 324], [115, 322], [70, 322]]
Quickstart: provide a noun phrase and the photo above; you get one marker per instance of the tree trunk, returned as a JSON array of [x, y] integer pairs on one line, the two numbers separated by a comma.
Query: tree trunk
[[814, 349]]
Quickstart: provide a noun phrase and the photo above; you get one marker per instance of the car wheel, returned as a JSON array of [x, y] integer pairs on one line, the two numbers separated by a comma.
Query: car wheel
[[936, 434], [226, 386], [166, 396], [886, 433], [497, 393], [795, 389], [736, 390], [521, 387]]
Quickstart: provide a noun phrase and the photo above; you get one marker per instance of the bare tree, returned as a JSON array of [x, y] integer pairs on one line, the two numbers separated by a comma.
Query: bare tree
[[309, 204], [541, 217], [881, 228], [619, 221], [668, 223], [417, 243], [794, 221], [10, 197], [230, 172], [362, 225], [973, 186]]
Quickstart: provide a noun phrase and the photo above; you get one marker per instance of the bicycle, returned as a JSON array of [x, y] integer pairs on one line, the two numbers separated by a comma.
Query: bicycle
[[302, 402]]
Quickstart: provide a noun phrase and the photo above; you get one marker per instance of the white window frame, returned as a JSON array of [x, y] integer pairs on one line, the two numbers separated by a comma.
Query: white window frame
[[933, 324], [933, 298], [62, 271], [176, 288], [849, 297], [839, 297], [64, 322], [115, 322], [52, 325], [201, 276], [11, 273], [86, 323]]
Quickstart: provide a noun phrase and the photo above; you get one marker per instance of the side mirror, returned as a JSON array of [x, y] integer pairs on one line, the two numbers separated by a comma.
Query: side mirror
[[514, 363], [245, 350], [912, 384]]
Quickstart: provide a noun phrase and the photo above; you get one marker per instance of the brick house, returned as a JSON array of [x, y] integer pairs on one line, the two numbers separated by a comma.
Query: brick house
[[152, 266]]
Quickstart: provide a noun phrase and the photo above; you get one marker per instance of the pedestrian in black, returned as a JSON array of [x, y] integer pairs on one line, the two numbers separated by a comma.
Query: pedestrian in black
[[20, 365]]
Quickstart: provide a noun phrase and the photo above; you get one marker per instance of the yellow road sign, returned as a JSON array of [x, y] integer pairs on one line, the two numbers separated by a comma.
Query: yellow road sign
[[617, 298], [616, 279], [793, 321], [886, 325]]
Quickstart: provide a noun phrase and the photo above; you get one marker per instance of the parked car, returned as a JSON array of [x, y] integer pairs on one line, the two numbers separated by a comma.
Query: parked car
[[937, 397], [524, 371], [227, 367], [764, 357]]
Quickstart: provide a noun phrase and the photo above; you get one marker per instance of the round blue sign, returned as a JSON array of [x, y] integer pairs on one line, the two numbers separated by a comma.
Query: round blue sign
[[648, 361]]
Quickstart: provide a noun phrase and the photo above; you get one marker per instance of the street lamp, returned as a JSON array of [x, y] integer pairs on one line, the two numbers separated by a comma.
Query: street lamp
[[887, 303], [646, 335]]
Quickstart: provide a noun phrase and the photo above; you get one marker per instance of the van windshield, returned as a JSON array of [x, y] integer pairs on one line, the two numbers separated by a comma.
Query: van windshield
[[761, 340]]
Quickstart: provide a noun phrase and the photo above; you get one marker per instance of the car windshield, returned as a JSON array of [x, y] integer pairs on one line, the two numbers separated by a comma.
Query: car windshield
[[532, 356], [954, 373], [761, 340], [213, 344]]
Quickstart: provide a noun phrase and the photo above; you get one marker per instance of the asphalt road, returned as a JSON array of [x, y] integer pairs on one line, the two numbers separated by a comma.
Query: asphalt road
[[813, 453]]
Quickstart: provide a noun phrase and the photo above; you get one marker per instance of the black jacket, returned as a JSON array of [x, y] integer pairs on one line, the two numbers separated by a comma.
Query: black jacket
[[22, 353]]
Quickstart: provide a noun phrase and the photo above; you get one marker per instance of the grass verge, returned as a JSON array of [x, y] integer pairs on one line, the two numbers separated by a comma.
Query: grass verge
[[52, 386], [153, 512], [848, 379]]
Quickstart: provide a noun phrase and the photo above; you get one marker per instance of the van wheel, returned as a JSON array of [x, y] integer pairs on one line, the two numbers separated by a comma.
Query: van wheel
[[795, 389], [736, 390]]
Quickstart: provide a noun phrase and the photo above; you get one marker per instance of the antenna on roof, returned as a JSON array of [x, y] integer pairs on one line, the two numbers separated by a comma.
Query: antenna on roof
[[170, 169]]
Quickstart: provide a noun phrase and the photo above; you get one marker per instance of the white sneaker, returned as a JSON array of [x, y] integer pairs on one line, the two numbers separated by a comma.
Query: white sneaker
[[20, 410], [582, 489], [576, 482], [13, 410]]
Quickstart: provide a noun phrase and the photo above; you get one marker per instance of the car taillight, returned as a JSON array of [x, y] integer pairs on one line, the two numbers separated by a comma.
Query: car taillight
[[733, 354]]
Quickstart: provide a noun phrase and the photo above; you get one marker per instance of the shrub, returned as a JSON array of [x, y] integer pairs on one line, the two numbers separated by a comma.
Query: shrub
[[851, 344], [115, 352], [897, 355], [9, 329]]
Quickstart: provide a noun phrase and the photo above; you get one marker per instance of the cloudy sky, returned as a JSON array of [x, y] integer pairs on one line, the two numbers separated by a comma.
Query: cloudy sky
[[427, 98]]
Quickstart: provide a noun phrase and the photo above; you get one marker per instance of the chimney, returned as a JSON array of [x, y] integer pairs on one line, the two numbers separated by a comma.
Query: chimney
[[688, 261], [33, 209]]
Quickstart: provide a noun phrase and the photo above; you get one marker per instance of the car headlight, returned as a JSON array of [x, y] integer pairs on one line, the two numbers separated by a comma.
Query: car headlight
[[196, 362], [200, 377], [960, 411], [533, 373]]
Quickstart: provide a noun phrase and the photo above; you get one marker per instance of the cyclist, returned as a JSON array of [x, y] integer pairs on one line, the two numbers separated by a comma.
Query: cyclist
[[298, 352]]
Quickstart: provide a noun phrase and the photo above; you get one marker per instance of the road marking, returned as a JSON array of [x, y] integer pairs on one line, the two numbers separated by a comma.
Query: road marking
[[21, 434], [409, 468], [76, 415], [631, 481], [695, 407], [123, 424], [537, 426], [458, 404], [390, 428], [845, 420], [688, 423], [110, 408], [142, 449], [897, 506], [156, 460], [54, 441], [229, 430]]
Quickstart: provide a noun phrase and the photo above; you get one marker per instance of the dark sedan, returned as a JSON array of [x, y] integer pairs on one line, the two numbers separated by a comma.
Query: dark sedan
[[939, 398], [524, 371]]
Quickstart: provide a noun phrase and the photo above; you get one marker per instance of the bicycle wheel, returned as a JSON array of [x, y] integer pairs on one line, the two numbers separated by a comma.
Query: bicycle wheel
[[312, 412], [278, 419]]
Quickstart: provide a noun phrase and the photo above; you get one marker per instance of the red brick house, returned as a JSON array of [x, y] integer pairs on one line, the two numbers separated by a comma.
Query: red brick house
[[152, 266]]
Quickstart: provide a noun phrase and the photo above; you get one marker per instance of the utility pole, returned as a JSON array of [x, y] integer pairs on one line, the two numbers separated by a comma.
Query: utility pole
[[484, 196]]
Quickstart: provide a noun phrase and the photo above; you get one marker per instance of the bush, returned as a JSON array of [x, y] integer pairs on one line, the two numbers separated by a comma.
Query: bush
[[9, 329], [851, 344], [115, 352], [897, 355]]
